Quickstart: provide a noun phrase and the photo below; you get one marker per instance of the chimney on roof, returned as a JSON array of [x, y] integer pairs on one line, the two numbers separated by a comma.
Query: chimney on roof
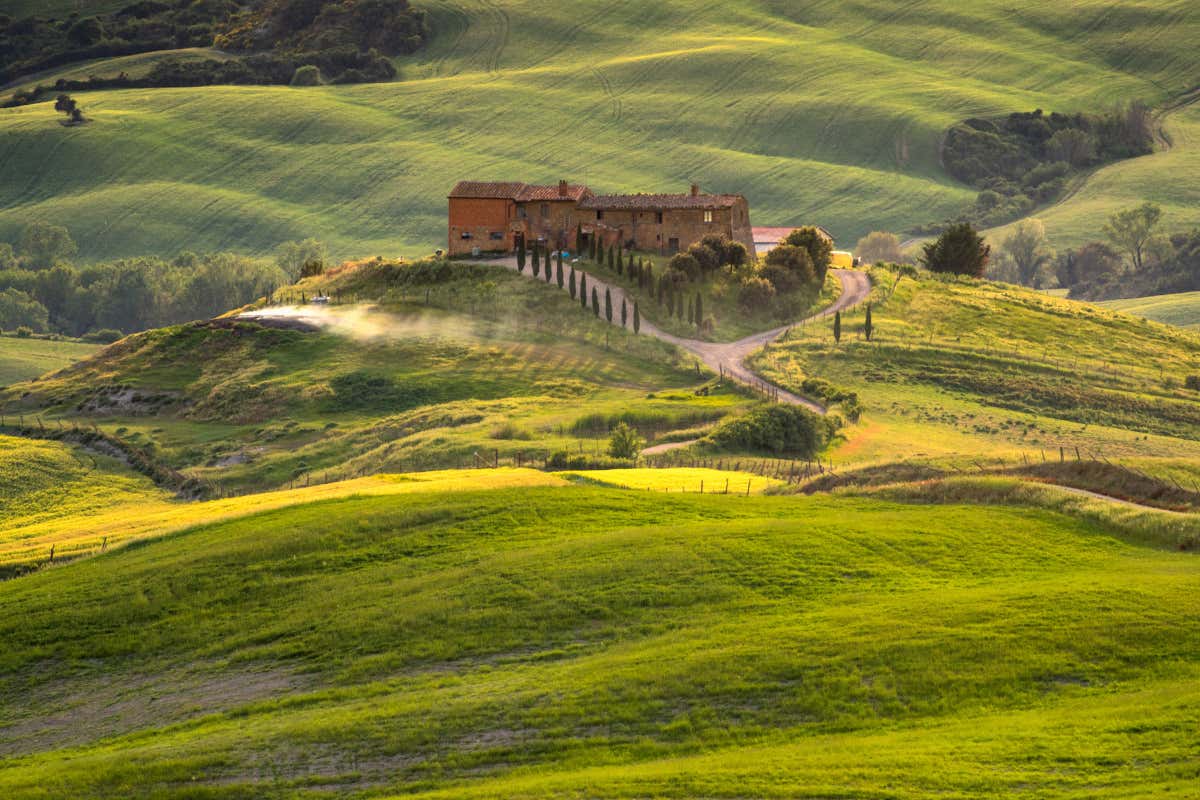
[[695, 189], [563, 190]]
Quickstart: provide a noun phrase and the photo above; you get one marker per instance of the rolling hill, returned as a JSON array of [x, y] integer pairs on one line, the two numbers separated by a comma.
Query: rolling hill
[[1181, 309], [22, 359], [584, 641], [817, 111]]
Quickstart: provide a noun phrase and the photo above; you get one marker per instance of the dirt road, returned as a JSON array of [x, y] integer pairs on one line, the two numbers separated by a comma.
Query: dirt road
[[730, 356]]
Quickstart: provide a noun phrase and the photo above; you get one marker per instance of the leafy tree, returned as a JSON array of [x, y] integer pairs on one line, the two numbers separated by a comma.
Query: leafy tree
[[686, 264], [1027, 247], [868, 326], [755, 294], [1132, 231], [837, 326], [583, 297], [1072, 146], [571, 283], [820, 249], [548, 271], [796, 262], [19, 310], [608, 309], [592, 248], [959, 250], [637, 318], [579, 239], [558, 273], [42, 244], [699, 309], [624, 442], [595, 302], [708, 258], [521, 258], [65, 104], [85, 32], [879, 246], [292, 257], [648, 272], [691, 312]]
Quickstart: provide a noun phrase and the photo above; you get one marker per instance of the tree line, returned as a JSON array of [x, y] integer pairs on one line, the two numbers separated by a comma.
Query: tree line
[[43, 290]]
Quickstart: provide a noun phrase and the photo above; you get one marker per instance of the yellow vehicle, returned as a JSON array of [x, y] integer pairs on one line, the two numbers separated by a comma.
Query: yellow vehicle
[[840, 259]]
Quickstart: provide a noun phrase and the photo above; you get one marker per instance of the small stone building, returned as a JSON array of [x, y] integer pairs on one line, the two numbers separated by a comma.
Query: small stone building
[[499, 217]]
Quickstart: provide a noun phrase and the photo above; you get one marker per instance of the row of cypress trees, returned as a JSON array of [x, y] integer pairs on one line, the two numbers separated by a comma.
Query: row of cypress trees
[[542, 264]]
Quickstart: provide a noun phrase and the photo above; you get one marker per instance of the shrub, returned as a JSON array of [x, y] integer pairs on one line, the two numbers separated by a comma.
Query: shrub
[[755, 294], [103, 335], [879, 246], [24, 332], [777, 429], [820, 249], [796, 262], [307, 75], [625, 442], [685, 264]]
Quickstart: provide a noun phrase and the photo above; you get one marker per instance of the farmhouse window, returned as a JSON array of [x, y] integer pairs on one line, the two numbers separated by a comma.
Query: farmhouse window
[[545, 210], [658, 217], [599, 215], [521, 212], [497, 235], [708, 216], [466, 234]]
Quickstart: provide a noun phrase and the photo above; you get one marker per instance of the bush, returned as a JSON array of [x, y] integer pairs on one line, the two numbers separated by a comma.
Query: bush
[[24, 332], [625, 442], [756, 294], [685, 264], [779, 429], [820, 249], [103, 336], [308, 75], [361, 390], [561, 459]]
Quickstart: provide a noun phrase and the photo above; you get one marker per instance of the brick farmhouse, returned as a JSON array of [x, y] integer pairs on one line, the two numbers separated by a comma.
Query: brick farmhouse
[[499, 217]]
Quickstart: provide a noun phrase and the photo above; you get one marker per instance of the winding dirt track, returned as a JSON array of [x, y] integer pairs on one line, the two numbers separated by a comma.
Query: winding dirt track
[[731, 356]]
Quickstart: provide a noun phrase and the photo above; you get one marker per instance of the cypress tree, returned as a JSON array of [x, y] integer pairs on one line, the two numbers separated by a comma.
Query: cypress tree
[[699, 310], [536, 261], [637, 318], [583, 289], [592, 248], [572, 283], [837, 326], [620, 264], [521, 258], [868, 327], [578, 238], [612, 263], [650, 273], [595, 302], [679, 305], [559, 273], [549, 272], [624, 313], [608, 304]]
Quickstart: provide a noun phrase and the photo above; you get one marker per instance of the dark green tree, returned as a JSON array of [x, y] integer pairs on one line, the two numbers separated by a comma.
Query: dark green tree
[[679, 305], [691, 312], [595, 302], [612, 262], [868, 327], [559, 272], [592, 248], [699, 310], [620, 264], [820, 249], [536, 261], [837, 326], [624, 314], [521, 258], [549, 270], [583, 289], [571, 283], [608, 311], [637, 318], [959, 250], [579, 239]]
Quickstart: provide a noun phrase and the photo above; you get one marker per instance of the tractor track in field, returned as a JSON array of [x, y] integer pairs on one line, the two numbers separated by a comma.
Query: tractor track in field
[[729, 357]]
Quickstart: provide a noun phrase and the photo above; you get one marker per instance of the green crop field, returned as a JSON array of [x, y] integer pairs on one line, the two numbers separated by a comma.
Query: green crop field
[[829, 114], [22, 359], [1181, 309], [599, 642]]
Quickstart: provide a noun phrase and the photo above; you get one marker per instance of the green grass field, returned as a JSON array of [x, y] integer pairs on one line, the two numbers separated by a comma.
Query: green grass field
[[1181, 309], [22, 359], [587, 641], [827, 114]]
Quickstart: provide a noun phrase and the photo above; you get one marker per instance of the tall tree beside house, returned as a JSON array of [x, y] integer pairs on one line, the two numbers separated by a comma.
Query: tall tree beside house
[[571, 283], [868, 326], [637, 318], [624, 313], [608, 304], [595, 302], [559, 272], [612, 262], [536, 261], [591, 253], [521, 257], [691, 312], [620, 263], [820, 249], [699, 310], [837, 326], [679, 305], [549, 271], [583, 289], [578, 238], [648, 271]]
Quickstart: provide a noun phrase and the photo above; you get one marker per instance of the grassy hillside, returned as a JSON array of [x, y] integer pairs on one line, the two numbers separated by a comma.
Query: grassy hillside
[[1182, 309], [977, 371], [819, 113], [22, 359], [484, 366], [583, 641]]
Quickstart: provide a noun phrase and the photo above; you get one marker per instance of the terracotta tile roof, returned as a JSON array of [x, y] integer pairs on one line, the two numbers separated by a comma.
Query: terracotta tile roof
[[534, 193], [658, 202], [487, 189]]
